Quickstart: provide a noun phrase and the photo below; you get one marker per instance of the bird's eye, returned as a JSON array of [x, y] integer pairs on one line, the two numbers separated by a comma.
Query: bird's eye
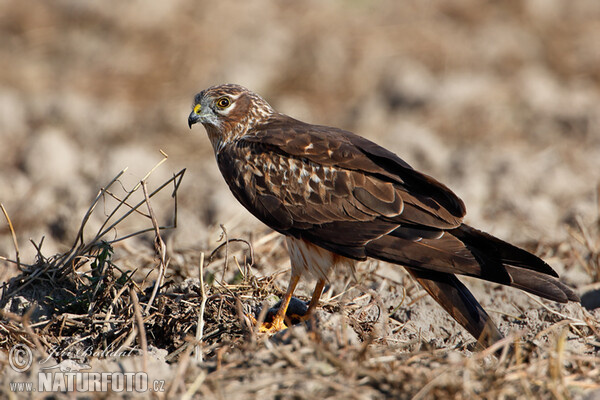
[[223, 102]]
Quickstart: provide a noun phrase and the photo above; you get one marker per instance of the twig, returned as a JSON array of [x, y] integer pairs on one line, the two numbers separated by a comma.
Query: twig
[[200, 327], [174, 179], [25, 321], [79, 239], [137, 312], [226, 250], [165, 156], [79, 247], [114, 301], [127, 342], [239, 268], [182, 366], [195, 385], [14, 236], [79, 340], [219, 247], [160, 247], [570, 320], [247, 319]]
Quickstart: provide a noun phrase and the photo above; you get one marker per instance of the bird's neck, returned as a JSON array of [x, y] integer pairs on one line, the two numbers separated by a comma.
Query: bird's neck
[[216, 137], [227, 133]]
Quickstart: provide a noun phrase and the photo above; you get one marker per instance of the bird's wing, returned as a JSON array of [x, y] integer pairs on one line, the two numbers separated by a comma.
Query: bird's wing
[[332, 186], [426, 200], [345, 193], [354, 198]]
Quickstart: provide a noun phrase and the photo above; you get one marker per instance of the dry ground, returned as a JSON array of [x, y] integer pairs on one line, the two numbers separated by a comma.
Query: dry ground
[[499, 100]]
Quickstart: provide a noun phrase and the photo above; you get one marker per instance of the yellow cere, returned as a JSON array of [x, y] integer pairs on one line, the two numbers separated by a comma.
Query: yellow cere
[[197, 109]]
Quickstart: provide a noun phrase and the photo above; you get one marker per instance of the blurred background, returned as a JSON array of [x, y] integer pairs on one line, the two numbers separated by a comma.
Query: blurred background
[[498, 100]]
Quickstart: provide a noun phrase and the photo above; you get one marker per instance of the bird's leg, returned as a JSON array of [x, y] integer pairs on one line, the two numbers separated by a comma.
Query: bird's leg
[[314, 301], [278, 323]]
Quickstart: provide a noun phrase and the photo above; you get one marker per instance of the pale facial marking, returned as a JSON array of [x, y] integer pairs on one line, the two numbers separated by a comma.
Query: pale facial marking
[[225, 111]]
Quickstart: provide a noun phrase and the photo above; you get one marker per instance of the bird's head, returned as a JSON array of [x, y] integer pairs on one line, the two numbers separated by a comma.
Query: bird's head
[[228, 111]]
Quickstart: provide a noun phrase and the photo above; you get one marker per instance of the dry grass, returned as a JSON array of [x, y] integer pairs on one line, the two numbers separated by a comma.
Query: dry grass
[[83, 303]]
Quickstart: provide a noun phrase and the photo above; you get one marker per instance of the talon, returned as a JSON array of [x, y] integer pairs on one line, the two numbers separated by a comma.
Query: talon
[[291, 310], [273, 327], [276, 320], [269, 327]]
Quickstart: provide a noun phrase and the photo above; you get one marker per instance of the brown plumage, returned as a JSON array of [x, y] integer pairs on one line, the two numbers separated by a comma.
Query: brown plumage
[[340, 198]]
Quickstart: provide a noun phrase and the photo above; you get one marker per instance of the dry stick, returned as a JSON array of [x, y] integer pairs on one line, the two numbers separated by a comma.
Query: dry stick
[[160, 247], [79, 340], [24, 320], [117, 207], [165, 156], [38, 248], [75, 249], [137, 312], [79, 239], [176, 179], [590, 324], [122, 202], [132, 209], [182, 366], [128, 340], [226, 251], [129, 193], [195, 385], [248, 319], [200, 328], [105, 327], [570, 320], [212, 254], [30, 279], [14, 236]]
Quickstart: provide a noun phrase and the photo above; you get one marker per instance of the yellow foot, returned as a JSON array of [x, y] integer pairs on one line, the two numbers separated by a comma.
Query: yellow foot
[[273, 327], [269, 327], [276, 320]]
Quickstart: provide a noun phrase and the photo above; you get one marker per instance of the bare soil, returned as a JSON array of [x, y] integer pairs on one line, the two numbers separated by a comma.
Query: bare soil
[[498, 100]]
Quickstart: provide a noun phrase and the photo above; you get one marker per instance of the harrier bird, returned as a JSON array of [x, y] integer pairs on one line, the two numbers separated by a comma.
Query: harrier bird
[[339, 198]]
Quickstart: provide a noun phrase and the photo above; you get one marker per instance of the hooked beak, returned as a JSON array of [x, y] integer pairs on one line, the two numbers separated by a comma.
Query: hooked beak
[[194, 116]]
